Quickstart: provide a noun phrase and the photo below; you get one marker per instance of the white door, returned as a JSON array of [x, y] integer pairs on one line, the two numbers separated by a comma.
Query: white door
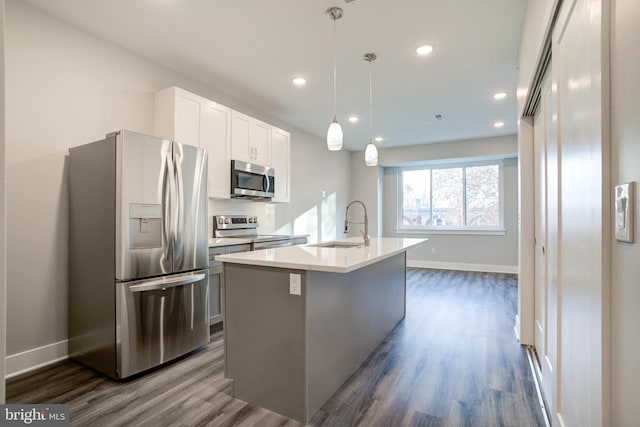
[[540, 230], [546, 240]]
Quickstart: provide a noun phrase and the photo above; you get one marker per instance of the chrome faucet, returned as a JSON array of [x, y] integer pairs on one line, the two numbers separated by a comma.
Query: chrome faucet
[[365, 234]]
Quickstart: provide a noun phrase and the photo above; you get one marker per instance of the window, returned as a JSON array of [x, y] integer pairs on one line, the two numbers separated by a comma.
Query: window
[[451, 197]]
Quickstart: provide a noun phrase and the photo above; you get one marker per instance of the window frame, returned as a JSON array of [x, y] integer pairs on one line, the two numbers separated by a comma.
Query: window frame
[[498, 230]]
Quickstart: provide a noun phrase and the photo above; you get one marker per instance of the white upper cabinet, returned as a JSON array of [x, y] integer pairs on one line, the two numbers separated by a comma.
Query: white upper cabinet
[[191, 119], [251, 139], [226, 134], [280, 162]]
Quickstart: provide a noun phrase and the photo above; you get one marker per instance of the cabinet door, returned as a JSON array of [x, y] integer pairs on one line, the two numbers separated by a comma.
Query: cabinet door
[[216, 296], [260, 142], [216, 281], [280, 158], [191, 119], [240, 134], [250, 139], [187, 118], [215, 137]]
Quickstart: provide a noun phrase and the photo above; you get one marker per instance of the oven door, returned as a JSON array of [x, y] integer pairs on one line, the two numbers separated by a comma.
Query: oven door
[[250, 180]]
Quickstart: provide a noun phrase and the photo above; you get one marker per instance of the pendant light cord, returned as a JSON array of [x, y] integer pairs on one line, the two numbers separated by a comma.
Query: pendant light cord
[[370, 102], [334, 70]]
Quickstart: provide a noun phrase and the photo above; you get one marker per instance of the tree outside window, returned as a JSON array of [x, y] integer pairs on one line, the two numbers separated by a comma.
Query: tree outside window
[[451, 196]]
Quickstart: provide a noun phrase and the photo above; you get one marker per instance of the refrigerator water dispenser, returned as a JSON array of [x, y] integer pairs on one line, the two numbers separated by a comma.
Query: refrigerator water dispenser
[[145, 226]]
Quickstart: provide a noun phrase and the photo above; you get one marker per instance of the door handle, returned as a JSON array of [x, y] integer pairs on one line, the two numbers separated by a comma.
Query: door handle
[[266, 184], [163, 283]]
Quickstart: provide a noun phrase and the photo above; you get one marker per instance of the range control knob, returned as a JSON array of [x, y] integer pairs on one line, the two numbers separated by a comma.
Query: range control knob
[[220, 220], [226, 220]]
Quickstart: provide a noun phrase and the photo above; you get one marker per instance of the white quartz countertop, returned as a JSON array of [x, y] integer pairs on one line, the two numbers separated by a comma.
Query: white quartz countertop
[[313, 258]]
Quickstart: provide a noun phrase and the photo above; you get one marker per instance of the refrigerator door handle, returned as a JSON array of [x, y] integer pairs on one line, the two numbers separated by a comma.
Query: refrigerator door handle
[[179, 201], [163, 283], [167, 191]]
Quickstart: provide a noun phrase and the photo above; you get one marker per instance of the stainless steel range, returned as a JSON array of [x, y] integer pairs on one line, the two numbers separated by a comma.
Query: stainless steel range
[[246, 227]]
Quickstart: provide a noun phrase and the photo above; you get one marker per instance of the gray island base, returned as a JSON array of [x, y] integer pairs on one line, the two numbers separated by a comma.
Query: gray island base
[[290, 353]]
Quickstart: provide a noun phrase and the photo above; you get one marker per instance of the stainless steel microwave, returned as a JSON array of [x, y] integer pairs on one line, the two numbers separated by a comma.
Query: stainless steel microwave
[[251, 181]]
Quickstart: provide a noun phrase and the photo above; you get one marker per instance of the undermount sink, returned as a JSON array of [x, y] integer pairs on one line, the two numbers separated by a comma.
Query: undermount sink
[[337, 245]]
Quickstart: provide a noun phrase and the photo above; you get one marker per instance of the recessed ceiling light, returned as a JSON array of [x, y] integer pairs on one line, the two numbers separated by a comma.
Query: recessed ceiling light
[[379, 139], [498, 125], [353, 119], [299, 81], [424, 49], [500, 95]]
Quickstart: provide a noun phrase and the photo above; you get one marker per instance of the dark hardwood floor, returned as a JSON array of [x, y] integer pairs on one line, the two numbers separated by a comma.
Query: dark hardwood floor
[[453, 361]]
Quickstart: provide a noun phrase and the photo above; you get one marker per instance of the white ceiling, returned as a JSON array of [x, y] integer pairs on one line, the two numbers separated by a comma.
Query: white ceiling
[[251, 49]]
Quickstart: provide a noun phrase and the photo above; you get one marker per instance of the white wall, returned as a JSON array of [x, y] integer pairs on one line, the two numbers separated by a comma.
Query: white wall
[[3, 286], [378, 187], [625, 167], [66, 88], [366, 186]]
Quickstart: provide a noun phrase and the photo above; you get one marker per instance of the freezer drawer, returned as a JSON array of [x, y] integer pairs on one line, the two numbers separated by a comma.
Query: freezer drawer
[[160, 319]]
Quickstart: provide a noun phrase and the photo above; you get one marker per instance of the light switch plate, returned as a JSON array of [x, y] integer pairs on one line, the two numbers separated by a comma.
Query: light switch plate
[[295, 284]]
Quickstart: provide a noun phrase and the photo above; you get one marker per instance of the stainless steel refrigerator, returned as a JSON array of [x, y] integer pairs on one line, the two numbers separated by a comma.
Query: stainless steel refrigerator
[[138, 255]]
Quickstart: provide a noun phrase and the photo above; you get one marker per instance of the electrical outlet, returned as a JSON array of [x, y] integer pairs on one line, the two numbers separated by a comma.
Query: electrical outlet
[[433, 250], [295, 284]]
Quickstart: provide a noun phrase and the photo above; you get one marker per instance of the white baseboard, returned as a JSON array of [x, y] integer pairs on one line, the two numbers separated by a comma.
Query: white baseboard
[[29, 360], [483, 268]]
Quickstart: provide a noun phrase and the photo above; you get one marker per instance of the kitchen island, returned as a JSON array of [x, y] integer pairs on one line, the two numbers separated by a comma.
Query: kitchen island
[[300, 320]]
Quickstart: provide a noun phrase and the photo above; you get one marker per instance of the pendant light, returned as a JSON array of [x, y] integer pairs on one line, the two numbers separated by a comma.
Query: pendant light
[[334, 134], [371, 153]]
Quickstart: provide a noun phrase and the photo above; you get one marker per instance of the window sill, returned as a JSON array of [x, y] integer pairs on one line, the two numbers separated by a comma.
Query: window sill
[[452, 231]]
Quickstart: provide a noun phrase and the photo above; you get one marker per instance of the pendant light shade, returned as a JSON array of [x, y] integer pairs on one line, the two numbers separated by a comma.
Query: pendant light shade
[[334, 136], [334, 133], [371, 155], [371, 152]]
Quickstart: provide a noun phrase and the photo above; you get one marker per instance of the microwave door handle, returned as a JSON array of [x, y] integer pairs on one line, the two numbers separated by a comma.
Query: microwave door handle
[[265, 183]]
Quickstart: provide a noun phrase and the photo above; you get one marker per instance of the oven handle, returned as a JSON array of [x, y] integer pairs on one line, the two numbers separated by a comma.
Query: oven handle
[[163, 283]]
